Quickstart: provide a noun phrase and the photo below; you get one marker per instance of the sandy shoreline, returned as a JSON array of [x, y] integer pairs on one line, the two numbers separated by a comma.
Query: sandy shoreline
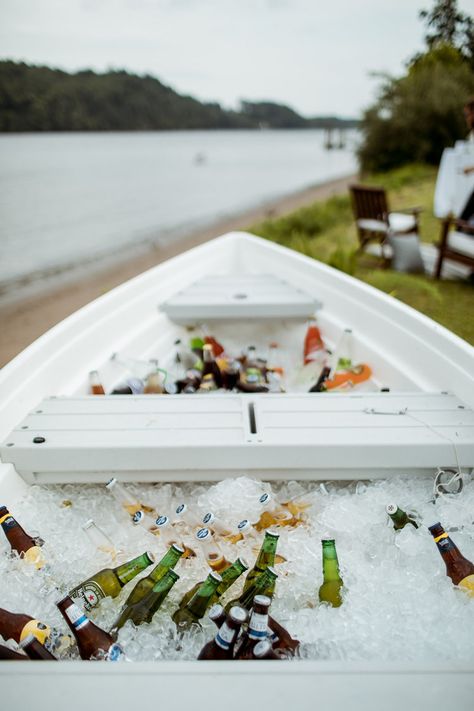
[[23, 321]]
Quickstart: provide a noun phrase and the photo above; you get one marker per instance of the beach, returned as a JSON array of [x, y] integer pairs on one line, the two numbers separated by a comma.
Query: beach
[[25, 320]]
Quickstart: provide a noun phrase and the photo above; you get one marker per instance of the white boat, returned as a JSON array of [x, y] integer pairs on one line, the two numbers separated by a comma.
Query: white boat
[[53, 432]]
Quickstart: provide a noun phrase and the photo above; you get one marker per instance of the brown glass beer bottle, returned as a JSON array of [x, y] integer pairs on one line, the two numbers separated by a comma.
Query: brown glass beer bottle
[[35, 650], [458, 568], [257, 629], [9, 654], [222, 646], [91, 639], [18, 626], [24, 544]]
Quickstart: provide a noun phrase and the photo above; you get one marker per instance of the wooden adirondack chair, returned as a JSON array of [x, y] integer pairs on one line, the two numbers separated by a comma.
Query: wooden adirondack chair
[[456, 244], [374, 219]]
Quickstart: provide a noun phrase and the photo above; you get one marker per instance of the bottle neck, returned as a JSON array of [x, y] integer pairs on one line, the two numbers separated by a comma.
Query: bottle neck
[[264, 584], [330, 564], [267, 552], [229, 576], [258, 625], [168, 561], [128, 571], [199, 602], [161, 589], [400, 518], [75, 617]]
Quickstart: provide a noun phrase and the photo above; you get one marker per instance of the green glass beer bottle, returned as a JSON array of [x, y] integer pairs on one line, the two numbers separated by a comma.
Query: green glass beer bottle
[[143, 587], [330, 590], [110, 581], [264, 584], [399, 517], [189, 616], [145, 608], [229, 576], [265, 558]]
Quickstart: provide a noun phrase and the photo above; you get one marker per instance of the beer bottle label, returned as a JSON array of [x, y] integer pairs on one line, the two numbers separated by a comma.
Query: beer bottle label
[[225, 636], [8, 522], [37, 629], [444, 543], [467, 585], [258, 626], [76, 617], [90, 593], [115, 653]]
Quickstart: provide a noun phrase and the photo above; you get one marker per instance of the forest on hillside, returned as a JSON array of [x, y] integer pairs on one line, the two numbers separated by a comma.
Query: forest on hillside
[[34, 98]]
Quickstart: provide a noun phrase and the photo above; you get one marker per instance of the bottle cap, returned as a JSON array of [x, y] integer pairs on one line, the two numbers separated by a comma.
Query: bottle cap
[[432, 529], [137, 517], [271, 532], [244, 525], [203, 534], [25, 642], [181, 509], [208, 518], [177, 548], [391, 509], [264, 499], [238, 614], [243, 562], [216, 576], [215, 611], [262, 600], [110, 484], [163, 521], [328, 541], [272, 571], [262, 648], [150, 556]]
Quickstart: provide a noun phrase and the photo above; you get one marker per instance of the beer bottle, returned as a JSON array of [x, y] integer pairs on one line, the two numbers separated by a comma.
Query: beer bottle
[[145, 608], [320, 384], [273, 514], [257, 628], [99, 539], [190, 382], [264, 584], [265, 558], [144, 585], [313, 344], [210, 366], [35, 650], [214, 556], [169, 534], [25, 545], [244, 529], [189, 616], [217, 615], [196, 344], [458, 568], [215, 524], [17, 626], [217, 348], [230, 374], [223, 644], [96, 386], [131, 386], [229, 576], [155, 383], [330, 590], [91, 639], [184, 514], [7, 654], [399, 517], [208, 384], [124, 498], [281, 639], [264, 650], [110, 581]]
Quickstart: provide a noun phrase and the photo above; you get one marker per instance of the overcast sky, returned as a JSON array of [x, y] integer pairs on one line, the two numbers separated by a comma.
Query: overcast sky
[[315, 55]]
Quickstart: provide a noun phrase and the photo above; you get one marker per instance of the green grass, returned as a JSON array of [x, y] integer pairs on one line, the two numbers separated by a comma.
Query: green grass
[[326, 231]]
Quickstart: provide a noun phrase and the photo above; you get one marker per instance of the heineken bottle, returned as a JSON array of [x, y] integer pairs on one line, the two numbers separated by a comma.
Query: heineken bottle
[[145, 608], [265, 558], [264, 584], [458, 568], [110, 581], [229, 576], [399, 517], [189, 616], [330, 590]]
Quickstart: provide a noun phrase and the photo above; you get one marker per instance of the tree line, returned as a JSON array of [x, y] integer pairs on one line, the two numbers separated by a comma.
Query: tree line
[[37, 98]]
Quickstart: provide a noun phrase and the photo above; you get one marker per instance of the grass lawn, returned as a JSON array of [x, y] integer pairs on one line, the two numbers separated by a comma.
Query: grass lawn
[[326, 232]]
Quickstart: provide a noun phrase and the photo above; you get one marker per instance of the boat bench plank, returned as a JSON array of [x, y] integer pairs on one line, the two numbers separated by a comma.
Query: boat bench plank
[[87, 438], [239, 297]]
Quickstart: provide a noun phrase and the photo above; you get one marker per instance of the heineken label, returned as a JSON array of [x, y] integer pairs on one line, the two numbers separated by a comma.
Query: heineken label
[[467, 585], [115, 653], [258, 626], [225, 636], [90, 593]]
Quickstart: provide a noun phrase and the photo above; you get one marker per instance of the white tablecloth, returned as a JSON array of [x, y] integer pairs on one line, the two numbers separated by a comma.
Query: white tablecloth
[[453, 187]]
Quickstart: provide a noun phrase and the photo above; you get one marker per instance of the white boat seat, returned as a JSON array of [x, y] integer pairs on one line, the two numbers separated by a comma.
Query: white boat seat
[[140, 438], [461, 242], [397, 222], [247, 296]]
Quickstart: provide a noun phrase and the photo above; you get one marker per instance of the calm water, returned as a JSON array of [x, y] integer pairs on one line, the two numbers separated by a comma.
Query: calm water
[[66, 199]]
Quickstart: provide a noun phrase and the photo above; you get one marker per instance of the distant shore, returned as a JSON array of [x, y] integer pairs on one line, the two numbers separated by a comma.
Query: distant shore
[[26, 319]]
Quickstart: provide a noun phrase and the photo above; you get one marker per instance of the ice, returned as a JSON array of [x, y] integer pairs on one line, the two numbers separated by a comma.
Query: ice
[[398, 603]]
